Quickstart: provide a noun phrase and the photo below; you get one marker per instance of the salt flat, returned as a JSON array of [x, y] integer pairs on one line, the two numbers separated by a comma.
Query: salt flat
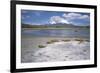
[[64, 49]]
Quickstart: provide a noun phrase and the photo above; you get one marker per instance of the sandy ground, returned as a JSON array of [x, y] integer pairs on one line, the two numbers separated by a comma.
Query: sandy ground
[[64, 49]]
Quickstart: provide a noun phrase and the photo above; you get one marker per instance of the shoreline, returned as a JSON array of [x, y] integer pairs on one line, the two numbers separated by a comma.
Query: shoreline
[[55, 37], [51, 28]]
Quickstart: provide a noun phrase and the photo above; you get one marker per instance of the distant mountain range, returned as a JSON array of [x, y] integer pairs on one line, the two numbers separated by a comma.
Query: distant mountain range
[[58, 25]]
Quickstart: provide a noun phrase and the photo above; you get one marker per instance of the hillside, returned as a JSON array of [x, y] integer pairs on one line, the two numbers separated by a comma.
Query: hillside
[[59, 25]]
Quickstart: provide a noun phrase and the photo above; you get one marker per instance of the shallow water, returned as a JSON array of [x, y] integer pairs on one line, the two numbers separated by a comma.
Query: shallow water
[[57, 32]]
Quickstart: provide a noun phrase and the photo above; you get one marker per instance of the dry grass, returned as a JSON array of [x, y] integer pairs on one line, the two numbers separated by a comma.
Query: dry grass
[[52, 41], [41, 46], [87, 40], [80, 40], [66, 40], [49, 42]]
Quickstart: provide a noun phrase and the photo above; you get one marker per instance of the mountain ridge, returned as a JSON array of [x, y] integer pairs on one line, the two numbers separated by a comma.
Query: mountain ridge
[[58, 25]]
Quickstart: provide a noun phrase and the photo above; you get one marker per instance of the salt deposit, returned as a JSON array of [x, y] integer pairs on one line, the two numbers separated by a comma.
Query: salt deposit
[[60, 51]]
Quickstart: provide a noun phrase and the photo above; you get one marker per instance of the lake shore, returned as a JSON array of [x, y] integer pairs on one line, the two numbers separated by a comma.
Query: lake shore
[[52, 28], [33, 47]]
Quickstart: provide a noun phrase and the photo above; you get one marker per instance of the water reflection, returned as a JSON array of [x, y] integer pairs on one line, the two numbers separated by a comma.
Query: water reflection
[[57, 33]]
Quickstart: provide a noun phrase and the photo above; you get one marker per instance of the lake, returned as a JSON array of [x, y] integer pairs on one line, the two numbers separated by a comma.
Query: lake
[[72, 32], [74, 49]]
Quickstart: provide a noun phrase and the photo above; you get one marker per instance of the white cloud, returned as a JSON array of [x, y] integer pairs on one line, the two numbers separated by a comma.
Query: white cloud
[[84, 17], [72, 16], [77, 18], [58, 19]]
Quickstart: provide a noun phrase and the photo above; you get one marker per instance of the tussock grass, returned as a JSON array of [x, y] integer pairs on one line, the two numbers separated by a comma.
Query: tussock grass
[[87, 40], [66, 40], [80, 40], [52, 41], [41, 46], [49, 42]]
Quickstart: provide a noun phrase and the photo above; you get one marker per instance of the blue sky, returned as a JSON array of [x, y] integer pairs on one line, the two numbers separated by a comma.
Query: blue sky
[[34, 17]]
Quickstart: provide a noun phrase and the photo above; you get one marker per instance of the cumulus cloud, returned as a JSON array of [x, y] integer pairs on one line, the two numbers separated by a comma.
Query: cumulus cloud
[[84, 17], [72, 16], [58, 19], [77, 18]]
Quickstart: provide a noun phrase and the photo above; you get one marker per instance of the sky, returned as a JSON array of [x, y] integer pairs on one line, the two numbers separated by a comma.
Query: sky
[[34, 17]]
